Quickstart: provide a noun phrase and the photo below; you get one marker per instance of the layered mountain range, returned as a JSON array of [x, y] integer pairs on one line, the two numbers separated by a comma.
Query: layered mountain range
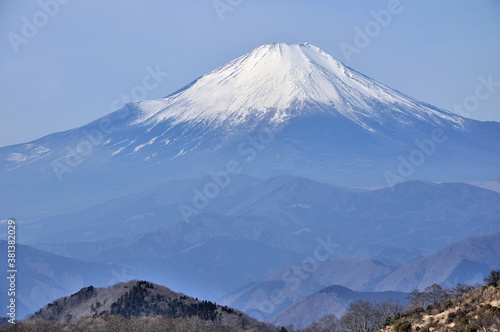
[[283, 163]]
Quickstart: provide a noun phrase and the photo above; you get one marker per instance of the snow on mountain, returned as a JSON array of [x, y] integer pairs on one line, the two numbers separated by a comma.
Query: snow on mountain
[[328, 123], [280, 81], [271, 85]]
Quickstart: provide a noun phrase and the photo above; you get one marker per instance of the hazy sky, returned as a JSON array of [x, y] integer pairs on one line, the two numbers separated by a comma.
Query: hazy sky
[[64, 65]]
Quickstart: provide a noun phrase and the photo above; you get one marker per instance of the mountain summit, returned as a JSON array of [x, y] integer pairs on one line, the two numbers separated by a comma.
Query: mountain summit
[[276, 82]]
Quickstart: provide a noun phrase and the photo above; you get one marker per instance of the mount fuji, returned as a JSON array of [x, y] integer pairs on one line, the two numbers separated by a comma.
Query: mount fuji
[[278, 82], [279, 109]]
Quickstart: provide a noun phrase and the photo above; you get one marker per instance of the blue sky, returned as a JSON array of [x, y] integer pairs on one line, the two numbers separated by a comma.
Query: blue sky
[[83, 55]]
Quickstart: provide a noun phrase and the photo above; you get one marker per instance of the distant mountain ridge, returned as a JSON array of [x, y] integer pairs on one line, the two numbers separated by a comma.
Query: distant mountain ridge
[[333, 300], [266, 221], [293, 283], [465, 262]]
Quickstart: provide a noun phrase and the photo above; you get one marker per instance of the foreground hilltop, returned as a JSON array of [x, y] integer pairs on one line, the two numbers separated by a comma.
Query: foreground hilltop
[[476, 309], [463, 308], [139, 303]]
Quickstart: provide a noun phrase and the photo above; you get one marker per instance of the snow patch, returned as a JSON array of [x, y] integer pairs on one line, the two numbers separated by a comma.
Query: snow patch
[[182, 152], [118, 151], [33, 153], [137, 148], [38, 150], [17, 157], [300, 205]]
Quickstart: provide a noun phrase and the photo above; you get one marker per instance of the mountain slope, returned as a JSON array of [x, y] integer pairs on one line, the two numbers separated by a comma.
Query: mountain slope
[[466, 262], [293, 283], [331, 300], [475, 310]]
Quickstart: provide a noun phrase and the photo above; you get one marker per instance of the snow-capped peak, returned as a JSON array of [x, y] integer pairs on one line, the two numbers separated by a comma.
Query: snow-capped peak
[[277, 82]]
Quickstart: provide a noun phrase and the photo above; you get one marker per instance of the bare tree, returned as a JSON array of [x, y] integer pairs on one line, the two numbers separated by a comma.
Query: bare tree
[[360, 317], [460, 289], [493, 279], [417, 299], [386, 311], [328, 323], [434, 294]]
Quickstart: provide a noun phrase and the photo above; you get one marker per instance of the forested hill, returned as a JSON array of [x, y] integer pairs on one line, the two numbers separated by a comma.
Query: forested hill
[[140, 299]]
